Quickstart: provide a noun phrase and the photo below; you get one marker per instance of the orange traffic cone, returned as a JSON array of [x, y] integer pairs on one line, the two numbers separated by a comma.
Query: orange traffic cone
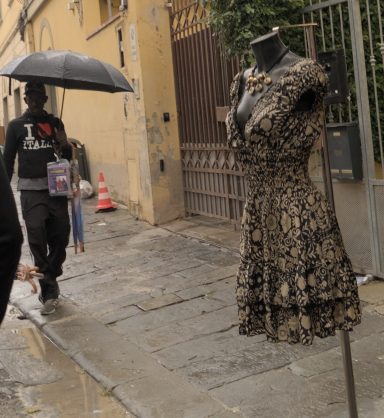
[[105, 203]]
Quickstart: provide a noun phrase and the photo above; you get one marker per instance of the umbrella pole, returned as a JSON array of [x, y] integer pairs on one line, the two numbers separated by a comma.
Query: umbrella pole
[[62, 105]]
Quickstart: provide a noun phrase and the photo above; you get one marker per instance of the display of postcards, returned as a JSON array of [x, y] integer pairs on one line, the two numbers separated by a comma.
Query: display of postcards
[[59, 178]]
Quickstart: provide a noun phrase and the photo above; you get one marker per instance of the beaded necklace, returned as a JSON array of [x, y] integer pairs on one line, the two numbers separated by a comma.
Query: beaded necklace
[[255, 83]]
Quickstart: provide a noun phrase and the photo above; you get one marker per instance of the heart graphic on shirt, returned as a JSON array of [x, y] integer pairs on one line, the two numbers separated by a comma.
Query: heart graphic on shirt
[[44, 129]]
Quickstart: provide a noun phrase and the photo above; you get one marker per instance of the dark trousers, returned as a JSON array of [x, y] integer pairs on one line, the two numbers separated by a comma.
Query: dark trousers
[[48, 227]]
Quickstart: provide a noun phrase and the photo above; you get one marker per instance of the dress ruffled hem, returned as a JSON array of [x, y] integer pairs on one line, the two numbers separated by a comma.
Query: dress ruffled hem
[[301, 324]]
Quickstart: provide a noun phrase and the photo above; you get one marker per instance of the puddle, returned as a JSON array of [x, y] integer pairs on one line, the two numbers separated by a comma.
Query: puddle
[[73, 395]]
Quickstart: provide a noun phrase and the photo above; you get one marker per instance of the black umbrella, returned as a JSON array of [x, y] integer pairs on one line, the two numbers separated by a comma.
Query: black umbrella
[[67, 69]]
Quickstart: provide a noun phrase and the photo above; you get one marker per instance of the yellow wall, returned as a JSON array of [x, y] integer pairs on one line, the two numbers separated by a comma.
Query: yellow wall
[[124, 134], [11, 46]]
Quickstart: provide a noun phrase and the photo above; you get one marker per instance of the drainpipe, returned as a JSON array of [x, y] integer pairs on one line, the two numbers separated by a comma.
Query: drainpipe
[[30, 37], [109, 3]]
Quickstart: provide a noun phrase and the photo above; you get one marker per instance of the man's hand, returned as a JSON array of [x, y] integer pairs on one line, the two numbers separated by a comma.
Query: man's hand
[[61, 137]]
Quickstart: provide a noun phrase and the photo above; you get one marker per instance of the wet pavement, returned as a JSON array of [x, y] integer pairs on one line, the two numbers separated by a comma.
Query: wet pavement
[[38, 380], [150, 313]]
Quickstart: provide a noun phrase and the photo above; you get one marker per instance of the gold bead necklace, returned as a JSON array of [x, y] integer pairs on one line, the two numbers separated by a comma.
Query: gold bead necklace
[[256, 83]]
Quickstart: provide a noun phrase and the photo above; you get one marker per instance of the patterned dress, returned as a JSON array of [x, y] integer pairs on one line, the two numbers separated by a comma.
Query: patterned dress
[[295, 279]]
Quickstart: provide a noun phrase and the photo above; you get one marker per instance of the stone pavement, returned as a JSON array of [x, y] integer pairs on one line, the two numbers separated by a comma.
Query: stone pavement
[[150, 313]]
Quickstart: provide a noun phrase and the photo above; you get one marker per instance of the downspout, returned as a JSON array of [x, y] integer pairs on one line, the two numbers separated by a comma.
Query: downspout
[[109, 9], [30, 38]]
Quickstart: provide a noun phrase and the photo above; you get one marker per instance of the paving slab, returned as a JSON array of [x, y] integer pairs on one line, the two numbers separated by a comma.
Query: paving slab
[[204, 290], [27, 369], [229, 367], [118, 314], [175, 333], [380, 309], [202, 348], [111, 304], [372, 293], [159, 302], [149, 398], [169, 314]]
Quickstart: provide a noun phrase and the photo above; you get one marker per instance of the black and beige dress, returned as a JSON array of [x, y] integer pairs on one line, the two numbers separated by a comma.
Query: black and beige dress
[[295, 279]]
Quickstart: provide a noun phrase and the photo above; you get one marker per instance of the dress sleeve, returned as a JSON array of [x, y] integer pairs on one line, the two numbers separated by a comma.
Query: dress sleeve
[[271, 113], [308, 76]]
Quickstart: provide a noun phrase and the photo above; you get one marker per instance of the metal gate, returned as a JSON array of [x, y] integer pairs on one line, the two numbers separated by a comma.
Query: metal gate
[[213, 182], [356, 27]]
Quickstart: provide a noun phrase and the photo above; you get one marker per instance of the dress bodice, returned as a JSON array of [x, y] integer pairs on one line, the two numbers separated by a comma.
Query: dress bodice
[[278, 137]]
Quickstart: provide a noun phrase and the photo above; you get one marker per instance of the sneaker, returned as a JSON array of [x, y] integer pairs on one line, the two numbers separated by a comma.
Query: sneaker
[[41, 300], [49, 306]]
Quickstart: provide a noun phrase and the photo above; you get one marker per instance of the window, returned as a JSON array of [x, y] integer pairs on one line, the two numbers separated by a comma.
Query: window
[[121, 46], [108, 9], [17, 101]]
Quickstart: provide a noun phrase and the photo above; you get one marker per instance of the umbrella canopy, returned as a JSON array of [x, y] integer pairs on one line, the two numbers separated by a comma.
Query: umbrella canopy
[[67, 69]]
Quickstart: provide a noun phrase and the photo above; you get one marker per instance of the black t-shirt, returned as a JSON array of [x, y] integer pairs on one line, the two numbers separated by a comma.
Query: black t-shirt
[[32, 138]]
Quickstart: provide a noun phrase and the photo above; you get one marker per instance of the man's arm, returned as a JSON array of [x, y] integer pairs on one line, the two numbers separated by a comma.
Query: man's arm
[[10, 150], [11, 239]]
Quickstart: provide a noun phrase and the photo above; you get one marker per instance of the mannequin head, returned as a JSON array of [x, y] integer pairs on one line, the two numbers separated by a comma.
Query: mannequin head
[[267, 49]]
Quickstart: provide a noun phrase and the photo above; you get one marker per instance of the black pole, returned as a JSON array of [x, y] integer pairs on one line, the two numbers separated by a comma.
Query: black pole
[[344, 335]]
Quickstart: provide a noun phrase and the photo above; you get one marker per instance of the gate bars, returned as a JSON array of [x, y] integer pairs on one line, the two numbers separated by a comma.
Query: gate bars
[[357, 27], [213, 181]]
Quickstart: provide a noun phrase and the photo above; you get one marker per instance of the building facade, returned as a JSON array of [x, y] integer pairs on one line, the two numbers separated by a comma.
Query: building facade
[[132, 138]]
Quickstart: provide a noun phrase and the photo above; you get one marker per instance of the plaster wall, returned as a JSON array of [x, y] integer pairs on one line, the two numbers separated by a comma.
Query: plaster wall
[[124, 134], [159, 99], [11, 46]]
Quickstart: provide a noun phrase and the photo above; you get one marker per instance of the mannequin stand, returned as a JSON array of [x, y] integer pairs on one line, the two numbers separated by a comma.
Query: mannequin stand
[[344, 335]]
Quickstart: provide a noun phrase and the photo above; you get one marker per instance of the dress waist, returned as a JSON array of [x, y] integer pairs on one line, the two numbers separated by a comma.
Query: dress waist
[[274, 165]]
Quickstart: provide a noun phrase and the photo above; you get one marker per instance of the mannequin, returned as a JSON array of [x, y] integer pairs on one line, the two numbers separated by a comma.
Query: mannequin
[[295, 280], [273, 58]]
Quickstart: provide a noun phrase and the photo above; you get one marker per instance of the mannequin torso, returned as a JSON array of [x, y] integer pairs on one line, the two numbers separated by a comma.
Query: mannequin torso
[[273, 58]]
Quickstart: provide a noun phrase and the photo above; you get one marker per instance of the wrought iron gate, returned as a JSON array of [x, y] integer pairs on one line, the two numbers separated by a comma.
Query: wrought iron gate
[[213, 182], [356, 27]]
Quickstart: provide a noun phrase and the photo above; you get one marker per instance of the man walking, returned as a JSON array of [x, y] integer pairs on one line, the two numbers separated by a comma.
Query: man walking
[[35, 137]]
